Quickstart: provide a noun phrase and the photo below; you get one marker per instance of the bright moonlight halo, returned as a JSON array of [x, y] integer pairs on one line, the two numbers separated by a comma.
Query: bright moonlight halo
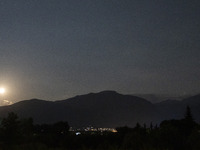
[[2, 90]]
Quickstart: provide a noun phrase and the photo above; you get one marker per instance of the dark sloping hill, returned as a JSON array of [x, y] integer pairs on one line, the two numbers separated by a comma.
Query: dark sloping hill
[[110, 108], [194, 103], [173, 109], [42, 111], [193, 100], [104, 109]]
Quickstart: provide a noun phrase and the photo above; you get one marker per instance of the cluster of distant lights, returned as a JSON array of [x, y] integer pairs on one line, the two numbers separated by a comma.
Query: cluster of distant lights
[[89, 129]]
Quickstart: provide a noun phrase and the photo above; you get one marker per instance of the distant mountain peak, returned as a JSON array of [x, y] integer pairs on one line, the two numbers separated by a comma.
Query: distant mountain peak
[[31, 101], [108, 92], [193, 99]]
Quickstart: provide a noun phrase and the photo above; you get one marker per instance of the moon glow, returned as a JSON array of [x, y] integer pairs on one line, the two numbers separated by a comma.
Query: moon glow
[[2, 90]]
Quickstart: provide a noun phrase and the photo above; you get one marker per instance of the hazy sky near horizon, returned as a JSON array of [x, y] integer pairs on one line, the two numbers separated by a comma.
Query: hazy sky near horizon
[[55, 49]]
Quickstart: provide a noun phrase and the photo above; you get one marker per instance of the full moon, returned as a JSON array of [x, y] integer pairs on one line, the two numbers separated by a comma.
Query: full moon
[[2, 90]]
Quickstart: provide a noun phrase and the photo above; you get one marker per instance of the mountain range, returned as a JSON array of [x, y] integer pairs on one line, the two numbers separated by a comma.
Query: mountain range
[[156, 98], [103, 109]]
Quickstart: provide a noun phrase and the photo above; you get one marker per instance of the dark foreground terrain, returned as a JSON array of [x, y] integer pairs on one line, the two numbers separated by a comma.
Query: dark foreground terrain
[[22, 134]]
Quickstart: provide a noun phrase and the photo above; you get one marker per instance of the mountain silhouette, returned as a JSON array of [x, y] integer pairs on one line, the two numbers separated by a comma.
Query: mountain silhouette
[[174, 109], [103, 109]]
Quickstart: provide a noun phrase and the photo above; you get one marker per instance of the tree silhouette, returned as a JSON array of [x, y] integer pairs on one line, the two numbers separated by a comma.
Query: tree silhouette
[[10, 128], [188, 121], [188, 115], [26, 128]]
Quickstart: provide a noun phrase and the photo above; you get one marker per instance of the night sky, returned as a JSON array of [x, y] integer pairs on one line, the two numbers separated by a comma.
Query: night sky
[[56, 49]]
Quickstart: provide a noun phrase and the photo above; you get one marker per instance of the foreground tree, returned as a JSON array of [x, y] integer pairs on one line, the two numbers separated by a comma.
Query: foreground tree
[[188, 121], [10, 128], [188, 115]]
